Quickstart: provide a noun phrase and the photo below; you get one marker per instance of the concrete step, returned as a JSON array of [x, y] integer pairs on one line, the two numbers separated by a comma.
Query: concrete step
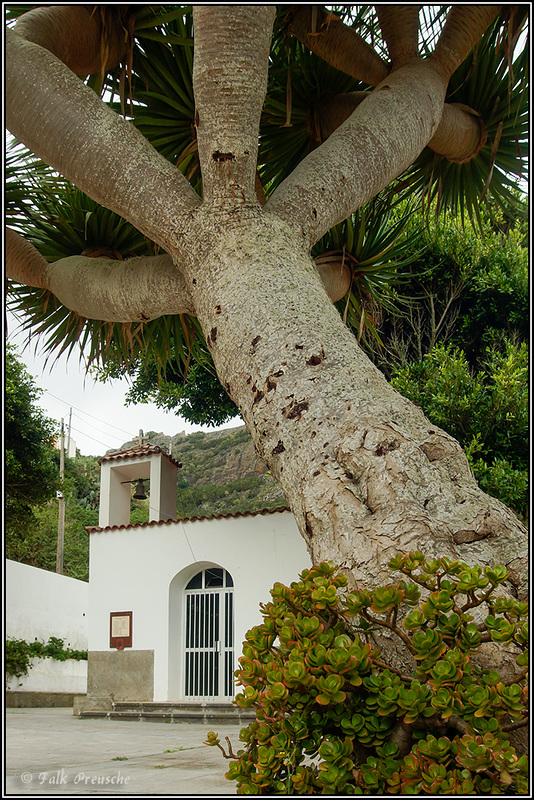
[[204, 713]]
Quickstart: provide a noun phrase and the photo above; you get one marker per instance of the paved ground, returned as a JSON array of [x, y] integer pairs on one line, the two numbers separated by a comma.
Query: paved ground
[[51, 752]]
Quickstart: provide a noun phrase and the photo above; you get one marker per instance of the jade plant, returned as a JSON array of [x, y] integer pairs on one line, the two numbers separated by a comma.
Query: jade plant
[[332, 717]]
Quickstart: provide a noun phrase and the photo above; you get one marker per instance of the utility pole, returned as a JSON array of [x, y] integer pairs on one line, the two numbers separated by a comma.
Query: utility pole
[[61, 504], [68, 437]]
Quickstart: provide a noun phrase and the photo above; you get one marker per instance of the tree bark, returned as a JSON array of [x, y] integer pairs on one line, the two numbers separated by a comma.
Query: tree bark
[[365, 473], [400, 29], [135, 290], [463, 28], [230, 80], [337, 44], [76, 35], [67, 125], [461, 134], [385, 134], [459, 137]]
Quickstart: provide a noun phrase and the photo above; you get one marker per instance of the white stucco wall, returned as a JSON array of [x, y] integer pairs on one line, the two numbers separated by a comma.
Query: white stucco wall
[[49, 675], [132, 570], [40, 604]]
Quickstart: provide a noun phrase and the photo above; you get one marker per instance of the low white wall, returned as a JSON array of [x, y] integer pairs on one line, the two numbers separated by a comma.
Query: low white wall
[[49, 675], [40, 604]]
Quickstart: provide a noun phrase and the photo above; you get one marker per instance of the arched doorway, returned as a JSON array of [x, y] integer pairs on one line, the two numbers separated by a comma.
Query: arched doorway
[[209, 635]]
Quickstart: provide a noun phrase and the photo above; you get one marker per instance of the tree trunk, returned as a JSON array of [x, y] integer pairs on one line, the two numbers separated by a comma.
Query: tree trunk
[[365, 473]]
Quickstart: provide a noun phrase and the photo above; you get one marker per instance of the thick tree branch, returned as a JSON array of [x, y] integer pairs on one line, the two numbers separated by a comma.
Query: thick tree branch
[[514, 726], [337, 44], [464, 26], [75, 35], [136, 290], [24, 263], [230, 81], [63, 122], [330, 111], [335, 275], [400, 29], [383, 136], [459, 137], [461, 134]]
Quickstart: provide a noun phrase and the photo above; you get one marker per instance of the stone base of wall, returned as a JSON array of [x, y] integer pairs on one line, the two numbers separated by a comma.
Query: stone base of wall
[[88, 703], [121, 675], [15, 699]]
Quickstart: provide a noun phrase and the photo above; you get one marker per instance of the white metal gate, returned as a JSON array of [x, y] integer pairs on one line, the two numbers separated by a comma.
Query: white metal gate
[[209, 634]]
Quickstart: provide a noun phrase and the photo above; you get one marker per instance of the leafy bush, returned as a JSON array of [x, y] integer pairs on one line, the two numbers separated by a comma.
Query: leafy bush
[[31, 468], [486, 411], [333, 718], [18, 654], [468, 286], [38, 546]]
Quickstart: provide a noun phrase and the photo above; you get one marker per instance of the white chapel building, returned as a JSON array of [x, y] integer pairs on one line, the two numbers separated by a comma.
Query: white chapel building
[[170, 600]]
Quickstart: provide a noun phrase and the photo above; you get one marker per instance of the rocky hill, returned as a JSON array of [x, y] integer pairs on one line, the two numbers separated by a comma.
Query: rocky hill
[[220, 472]]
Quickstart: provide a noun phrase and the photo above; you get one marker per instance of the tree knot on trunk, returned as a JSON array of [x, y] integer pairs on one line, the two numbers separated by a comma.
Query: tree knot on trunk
[[294, 409], [254, 344], [484, 525], [258, 394], [464, 537], [221, 157], [212, 337], [316, 359], [386, 447]]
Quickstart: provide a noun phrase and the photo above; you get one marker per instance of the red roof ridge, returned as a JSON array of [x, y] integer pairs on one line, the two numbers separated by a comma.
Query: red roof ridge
[[138, 451], [155, 523]]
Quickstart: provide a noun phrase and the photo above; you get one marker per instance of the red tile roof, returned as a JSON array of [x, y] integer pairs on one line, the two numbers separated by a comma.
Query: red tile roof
[[262, 512], [139, 451]]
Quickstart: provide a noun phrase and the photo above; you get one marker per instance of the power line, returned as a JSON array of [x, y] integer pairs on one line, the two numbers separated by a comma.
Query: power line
[[88, 435], [87, 413], [93, 438], [106, 433]]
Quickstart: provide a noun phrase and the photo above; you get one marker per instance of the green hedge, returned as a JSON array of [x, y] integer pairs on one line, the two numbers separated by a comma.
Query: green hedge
[[19, 653]]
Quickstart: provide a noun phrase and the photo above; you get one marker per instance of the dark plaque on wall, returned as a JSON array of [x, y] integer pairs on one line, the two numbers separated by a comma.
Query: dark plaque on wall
[[120, 629]]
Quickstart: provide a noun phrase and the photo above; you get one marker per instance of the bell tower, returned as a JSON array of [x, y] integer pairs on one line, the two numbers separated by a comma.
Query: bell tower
[[120, 469]]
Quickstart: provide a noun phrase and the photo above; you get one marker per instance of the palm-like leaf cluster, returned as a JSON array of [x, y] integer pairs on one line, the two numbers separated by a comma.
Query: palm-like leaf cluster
[[154, 89], [160, 79], [375, 246], [298, 80], [494, 86]]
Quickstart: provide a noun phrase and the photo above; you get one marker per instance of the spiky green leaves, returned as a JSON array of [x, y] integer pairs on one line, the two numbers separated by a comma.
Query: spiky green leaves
[[493, 81]]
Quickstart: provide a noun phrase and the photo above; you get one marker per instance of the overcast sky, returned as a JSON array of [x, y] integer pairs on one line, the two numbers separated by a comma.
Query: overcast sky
[[100, 418]]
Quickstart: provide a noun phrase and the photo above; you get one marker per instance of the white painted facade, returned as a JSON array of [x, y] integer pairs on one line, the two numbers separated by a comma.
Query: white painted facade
[[40, 604], [146, 568]]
